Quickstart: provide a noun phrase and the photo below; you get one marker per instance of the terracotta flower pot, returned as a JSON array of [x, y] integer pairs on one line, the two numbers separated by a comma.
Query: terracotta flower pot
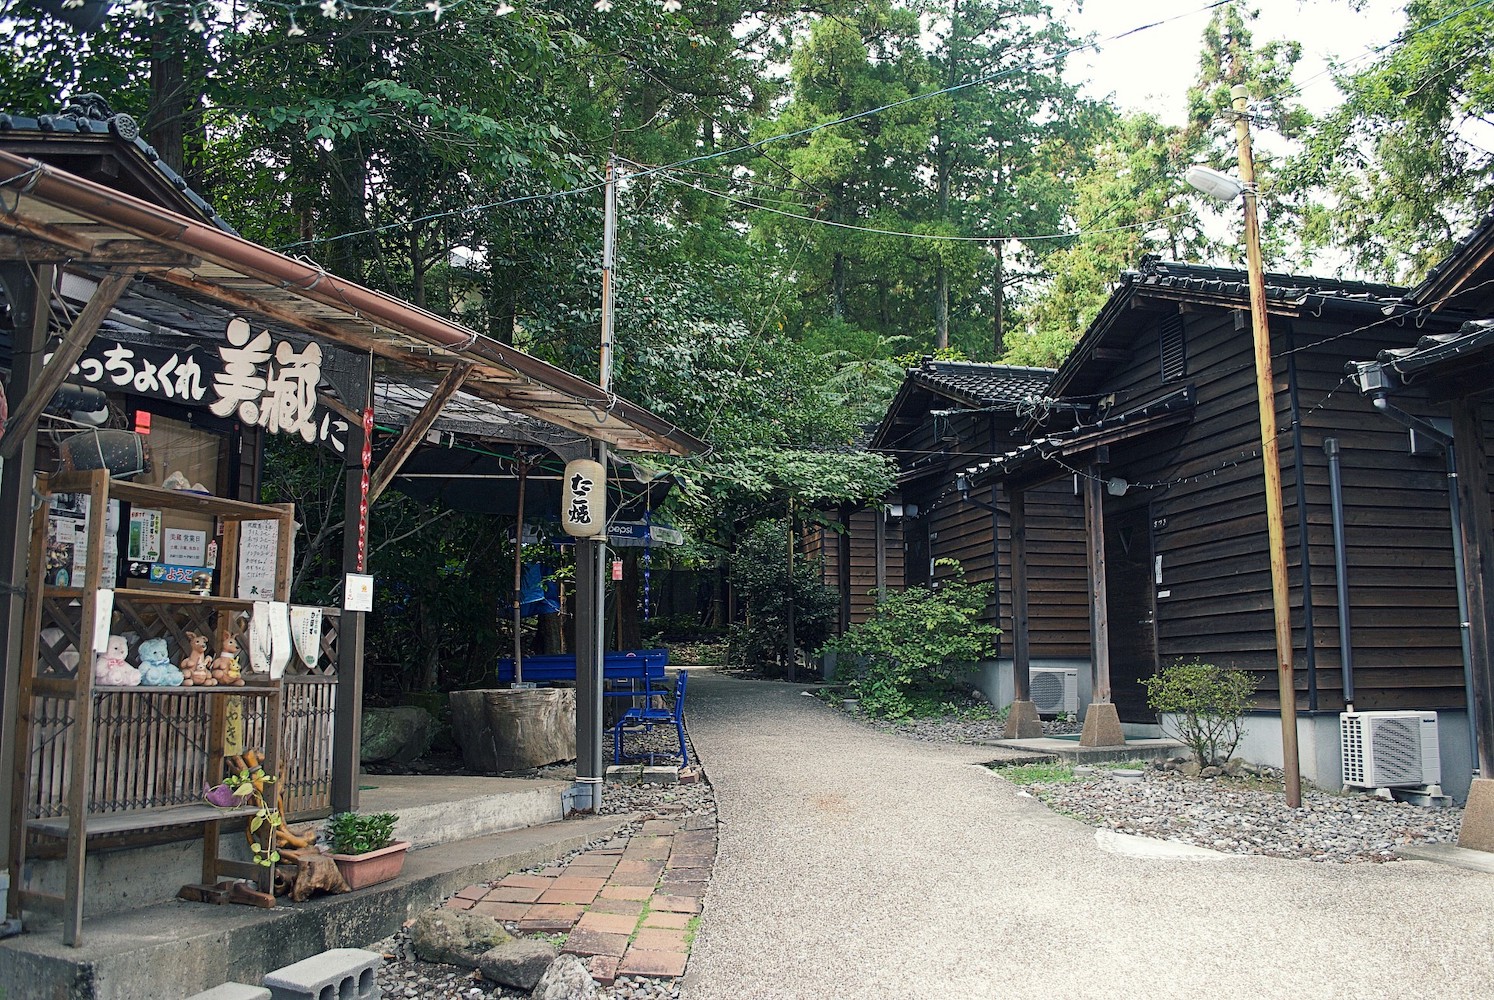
[[361, 870]]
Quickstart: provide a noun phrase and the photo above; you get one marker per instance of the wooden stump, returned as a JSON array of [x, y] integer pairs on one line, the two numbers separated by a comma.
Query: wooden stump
[[514, 730]]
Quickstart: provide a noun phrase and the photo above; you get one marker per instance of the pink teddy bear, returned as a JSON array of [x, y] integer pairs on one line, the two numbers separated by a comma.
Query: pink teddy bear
[[111, 668]]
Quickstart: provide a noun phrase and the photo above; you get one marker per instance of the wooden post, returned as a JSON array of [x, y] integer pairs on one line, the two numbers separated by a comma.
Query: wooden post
[[1102, 726], [1099, 616], [1265, 383], [28, 293], [843, 566], [518, 609], [1475, 529], [347, 719], [881, 543], [1021, 649]]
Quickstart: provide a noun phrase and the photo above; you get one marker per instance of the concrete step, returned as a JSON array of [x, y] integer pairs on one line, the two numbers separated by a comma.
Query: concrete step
[[1070, 751], [436, 809], [178, 948]]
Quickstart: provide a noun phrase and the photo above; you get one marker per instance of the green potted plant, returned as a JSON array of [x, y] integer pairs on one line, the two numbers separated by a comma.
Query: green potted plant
[[364, 847]]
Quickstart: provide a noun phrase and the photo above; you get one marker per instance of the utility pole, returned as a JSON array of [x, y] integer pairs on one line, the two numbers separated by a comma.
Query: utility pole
[[1270, 459], [591, 555]]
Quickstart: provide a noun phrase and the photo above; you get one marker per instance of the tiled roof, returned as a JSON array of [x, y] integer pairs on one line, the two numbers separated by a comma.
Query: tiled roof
[[1233, 282], [90, 116], [1440, 348], [980, 384], [1444, 279]]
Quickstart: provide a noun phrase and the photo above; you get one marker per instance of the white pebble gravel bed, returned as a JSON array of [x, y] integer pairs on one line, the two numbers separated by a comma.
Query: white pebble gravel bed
[[1230, 815], [405, 977], [1249, 816]]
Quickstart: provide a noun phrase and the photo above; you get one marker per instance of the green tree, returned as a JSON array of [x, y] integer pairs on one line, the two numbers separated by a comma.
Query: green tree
[[1401, 157]]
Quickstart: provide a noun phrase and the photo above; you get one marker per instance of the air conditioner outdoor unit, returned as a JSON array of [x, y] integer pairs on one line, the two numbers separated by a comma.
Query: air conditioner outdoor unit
[[1387, 749], [1054, 689]]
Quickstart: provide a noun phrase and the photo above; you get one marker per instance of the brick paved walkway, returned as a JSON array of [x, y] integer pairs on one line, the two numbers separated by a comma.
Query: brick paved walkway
[[628, 910]]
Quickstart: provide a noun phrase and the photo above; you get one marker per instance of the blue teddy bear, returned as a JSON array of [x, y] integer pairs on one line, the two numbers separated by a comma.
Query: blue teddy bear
[[155, 669]]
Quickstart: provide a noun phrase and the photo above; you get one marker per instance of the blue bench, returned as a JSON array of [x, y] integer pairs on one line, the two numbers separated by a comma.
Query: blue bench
[[645, 665], [643, 718]]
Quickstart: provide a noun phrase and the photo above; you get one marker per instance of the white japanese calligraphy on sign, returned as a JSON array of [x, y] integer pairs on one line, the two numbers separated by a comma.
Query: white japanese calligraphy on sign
[[283, 399], [176, 376]]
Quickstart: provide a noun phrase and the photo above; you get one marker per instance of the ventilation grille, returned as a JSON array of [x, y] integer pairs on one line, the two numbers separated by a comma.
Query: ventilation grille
[[1174, 348]]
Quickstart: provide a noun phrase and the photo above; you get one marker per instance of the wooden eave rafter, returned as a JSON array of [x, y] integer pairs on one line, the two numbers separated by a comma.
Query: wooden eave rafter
[[414, 432], [74, 342], [52, 206]]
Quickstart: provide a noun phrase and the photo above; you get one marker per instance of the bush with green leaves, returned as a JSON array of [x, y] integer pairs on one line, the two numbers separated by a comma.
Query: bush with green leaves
[[770, 599], [359, 833], [1203, 706], [917, 645]]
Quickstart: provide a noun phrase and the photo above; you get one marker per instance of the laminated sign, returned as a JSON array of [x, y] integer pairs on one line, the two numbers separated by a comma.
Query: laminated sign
[[583, 512]]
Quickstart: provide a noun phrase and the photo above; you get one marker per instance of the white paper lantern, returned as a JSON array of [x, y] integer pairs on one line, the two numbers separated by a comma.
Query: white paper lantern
[[583, 511]]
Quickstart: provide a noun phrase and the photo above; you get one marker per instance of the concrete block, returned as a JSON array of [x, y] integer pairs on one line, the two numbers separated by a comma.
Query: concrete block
[[629, 773], [233, 991], [1102, 726], [339, 974], [661, 775], [1022, 722], [1477, 833]]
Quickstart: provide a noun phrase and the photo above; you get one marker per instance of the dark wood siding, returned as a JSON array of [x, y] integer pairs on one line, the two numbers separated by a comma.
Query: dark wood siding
[[821, 543], [1204, 482]]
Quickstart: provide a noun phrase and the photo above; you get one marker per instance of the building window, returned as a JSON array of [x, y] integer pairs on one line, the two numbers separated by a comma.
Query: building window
[[1174, 348]]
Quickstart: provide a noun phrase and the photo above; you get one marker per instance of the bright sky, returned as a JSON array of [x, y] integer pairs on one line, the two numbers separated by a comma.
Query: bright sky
[[1151, 70]]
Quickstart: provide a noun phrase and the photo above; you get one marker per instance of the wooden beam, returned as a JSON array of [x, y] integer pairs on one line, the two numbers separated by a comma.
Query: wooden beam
[[339, 407], [1021, 647], [74, 343], [414, 432], [1099, 615]]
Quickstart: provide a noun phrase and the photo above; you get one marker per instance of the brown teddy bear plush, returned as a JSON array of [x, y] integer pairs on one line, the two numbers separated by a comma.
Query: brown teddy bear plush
[[195, 666], [226, 667]]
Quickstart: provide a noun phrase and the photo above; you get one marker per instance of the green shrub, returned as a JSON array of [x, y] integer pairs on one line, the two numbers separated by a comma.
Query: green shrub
[[359, 833], [770, 599], [1203, 706], [917, 645]]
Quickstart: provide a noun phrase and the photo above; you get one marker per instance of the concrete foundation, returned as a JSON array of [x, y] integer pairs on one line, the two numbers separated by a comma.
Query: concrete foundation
[[1102, 726], [1477, 833], [995, 680], [1022, 722]]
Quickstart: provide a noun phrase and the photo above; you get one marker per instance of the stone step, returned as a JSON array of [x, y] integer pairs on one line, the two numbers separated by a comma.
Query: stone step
[[176, 949], [436, 809]]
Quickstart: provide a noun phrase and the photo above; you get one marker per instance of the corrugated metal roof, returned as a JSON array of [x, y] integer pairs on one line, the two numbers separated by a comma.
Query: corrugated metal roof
[[192, 275]]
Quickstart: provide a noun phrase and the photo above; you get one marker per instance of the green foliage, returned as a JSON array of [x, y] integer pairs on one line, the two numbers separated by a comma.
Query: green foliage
[[359, 833], [1036, 774], [916, 645], [1401, 156], [253, 786], [1204, 706], [774, 603]]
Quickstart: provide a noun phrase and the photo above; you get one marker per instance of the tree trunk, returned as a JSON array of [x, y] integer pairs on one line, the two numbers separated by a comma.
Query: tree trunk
[[838, 286], [630, 594], [941, 306], [165, 123], [998, 305]]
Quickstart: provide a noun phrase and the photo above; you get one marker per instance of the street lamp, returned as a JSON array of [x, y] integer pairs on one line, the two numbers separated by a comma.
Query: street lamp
[[1225, 188]]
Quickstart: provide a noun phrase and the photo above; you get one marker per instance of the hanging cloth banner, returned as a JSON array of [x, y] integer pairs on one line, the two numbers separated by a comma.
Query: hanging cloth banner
[[583, 505]]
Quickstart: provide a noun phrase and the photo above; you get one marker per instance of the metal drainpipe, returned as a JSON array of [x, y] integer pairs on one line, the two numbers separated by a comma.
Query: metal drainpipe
[[1455, 512], [1341, 571]]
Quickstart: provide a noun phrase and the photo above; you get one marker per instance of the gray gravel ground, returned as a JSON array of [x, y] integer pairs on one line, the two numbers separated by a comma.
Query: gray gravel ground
[[856, 863]]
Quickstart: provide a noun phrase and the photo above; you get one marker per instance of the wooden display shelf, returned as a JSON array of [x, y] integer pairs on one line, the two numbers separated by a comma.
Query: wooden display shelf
[[143, 596], [98, 824]]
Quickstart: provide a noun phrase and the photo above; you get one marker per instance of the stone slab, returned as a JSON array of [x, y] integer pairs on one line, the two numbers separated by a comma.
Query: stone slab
[[583, 942], [653, 964]]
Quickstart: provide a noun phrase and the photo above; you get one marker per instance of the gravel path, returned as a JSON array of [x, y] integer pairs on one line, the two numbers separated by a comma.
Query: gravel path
[[857, 863]]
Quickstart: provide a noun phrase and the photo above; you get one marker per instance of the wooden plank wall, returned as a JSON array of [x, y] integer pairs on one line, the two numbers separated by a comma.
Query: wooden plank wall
[[1208, 510], [821, 544]]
